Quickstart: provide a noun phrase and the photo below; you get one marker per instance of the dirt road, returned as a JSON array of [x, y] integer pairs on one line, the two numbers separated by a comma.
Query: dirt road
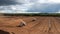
[[34, 25]]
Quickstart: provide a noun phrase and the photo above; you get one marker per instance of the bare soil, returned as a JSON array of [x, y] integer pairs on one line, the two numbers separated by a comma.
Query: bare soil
[[32, 25]]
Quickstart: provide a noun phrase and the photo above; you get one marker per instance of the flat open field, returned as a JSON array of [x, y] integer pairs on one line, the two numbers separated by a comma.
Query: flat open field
[[29, 25]]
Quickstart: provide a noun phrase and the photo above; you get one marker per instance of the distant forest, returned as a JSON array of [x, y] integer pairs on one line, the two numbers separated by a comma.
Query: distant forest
[[33, 14]]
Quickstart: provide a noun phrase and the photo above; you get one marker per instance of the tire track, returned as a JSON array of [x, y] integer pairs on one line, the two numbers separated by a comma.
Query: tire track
[[43, 25], [40, 27], [31, 24], [54, 29]]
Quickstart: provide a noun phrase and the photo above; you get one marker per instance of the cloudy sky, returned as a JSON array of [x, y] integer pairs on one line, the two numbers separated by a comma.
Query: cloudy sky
[[32, 6]]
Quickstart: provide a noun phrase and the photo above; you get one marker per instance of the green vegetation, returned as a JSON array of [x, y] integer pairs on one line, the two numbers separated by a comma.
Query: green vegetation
[[33, 14]]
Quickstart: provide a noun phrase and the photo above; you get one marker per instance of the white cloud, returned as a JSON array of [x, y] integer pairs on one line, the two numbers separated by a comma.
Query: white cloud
[[58, 11], [16, 8], [27, 4], [54, 1], [48, 1], [41, 1]]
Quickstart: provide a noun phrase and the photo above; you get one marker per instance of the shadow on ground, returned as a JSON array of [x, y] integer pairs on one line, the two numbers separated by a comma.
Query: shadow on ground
[[4, 32]]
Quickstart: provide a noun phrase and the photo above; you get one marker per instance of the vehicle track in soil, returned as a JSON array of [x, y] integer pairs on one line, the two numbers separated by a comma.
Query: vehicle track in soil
[[42, 25], [55, 26]]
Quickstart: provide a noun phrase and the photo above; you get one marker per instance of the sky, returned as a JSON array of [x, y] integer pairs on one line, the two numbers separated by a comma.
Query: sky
[[31, 6]]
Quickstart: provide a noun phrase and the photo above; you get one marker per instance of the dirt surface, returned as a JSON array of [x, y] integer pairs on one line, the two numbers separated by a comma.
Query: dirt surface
[[29, 25]]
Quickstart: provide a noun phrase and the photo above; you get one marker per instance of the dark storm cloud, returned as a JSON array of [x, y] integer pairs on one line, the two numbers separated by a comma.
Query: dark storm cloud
[[46, 8], [28, 6], [8, 2]]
